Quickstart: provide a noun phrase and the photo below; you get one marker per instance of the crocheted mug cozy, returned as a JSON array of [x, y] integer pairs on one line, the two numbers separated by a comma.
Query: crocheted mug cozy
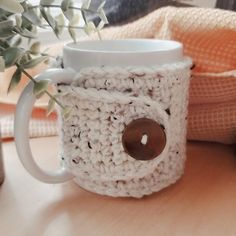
[[104, 101]]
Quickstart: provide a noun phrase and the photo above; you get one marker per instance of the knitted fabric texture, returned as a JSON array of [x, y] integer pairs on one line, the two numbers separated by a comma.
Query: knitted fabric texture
[[103, 102]]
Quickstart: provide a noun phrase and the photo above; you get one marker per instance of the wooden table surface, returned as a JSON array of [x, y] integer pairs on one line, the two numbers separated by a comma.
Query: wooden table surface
[[202, 203]]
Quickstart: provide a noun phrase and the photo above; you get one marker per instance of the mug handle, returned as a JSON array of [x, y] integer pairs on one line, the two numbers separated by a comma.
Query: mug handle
[[21, 127]]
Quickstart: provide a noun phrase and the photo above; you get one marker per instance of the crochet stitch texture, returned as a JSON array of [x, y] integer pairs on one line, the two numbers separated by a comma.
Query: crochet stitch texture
[[104, 100]]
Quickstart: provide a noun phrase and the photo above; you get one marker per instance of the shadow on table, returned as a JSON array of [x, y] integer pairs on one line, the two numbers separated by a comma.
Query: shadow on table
[[205, 192]]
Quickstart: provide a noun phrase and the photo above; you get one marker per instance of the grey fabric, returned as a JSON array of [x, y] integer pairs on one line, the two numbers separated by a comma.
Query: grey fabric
[[123, 11], [226, 4]]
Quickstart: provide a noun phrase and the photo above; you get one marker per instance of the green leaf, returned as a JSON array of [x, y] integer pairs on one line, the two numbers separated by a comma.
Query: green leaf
[[14, 80], [72, 33], [101, 6], [69, 13], [33, 29], [60, 22], [25, 58], [89, 28], [50, 20], [2, 64], [101, 12], [100, 25], [35, 48], [15, 41], [29, 41], [65, 4], [66, 112], [25, 23], [47, 16], [6, 29], [11, 6], [12, 55], [40, 86], [28, 34], [73, 22], [18, 21], [4, 45], [103, 17], [25, 5], [46, 2], [51, 106], [86, 4], [84, 17], [40, 95], [47, 61], [31, 15], [34, 62]]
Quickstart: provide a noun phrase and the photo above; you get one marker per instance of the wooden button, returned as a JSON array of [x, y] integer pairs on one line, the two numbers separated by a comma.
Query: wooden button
[[144, 139]]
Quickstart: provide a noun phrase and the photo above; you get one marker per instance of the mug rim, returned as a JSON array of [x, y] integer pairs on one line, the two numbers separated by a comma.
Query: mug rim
[[136, 52], [151, 46]]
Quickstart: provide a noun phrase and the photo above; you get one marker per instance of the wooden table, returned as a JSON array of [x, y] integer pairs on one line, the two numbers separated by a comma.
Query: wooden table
[[202, 203]]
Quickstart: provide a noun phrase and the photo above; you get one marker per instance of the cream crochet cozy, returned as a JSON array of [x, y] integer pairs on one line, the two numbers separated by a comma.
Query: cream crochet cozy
[[104, 101]]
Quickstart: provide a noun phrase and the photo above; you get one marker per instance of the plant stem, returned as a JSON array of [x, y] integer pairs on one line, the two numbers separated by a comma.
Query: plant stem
[[66, 26], [45, 54], [76, 27], [58, 6], [84, 17], [42, 54], [53, 98], [99, 34], [34, 81], [26, 73]]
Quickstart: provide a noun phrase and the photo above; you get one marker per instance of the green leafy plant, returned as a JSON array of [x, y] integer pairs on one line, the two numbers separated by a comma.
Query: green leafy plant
[[19, 20]]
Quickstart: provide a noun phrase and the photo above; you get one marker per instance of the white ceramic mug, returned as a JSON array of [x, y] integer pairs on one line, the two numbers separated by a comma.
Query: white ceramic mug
[[151, 78]]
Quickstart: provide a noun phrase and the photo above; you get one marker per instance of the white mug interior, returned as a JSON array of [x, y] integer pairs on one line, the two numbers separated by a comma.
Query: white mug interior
[[124, 53]]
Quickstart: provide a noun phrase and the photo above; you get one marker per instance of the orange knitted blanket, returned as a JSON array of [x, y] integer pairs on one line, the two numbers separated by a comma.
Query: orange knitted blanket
[[209, 37]]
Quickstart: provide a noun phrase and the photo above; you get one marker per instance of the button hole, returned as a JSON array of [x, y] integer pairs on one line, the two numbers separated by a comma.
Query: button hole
[[144, 139]]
